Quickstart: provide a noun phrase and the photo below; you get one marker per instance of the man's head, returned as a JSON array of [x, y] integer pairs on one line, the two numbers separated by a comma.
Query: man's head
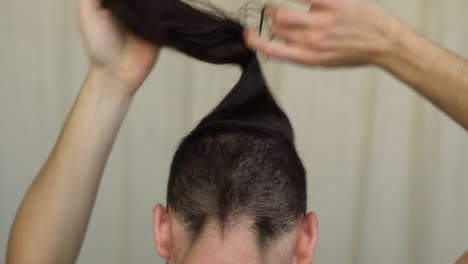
[[237, 188], [236, 194]]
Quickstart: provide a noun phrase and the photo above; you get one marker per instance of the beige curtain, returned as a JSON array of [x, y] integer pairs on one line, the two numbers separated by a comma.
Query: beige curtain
[[387, 172]]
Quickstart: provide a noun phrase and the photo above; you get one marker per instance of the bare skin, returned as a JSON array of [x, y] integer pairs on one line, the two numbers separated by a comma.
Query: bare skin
[[50, 227], [463, 259], [353, 32], [52, 220]]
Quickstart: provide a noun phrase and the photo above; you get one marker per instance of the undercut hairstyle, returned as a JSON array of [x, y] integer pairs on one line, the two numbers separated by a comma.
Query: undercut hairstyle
[[240, 161]]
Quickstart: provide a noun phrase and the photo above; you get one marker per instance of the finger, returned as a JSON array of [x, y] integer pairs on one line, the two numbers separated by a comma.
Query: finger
[[253, 40], [88, 6], [288, 18], [279, 50], [292, 18], [292, 35], [289, 52]]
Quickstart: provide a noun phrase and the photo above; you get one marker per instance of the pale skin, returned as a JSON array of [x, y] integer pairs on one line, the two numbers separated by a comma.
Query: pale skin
[[354, 32], [52, 220], [50, 227]]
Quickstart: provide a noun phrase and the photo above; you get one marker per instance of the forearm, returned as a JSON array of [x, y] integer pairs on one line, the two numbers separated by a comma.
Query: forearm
[[436, 74], [354, 32], [52, 220]]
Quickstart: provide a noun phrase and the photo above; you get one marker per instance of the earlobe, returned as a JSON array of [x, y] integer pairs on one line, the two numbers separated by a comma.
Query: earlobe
[[162, 231], [307, 239]]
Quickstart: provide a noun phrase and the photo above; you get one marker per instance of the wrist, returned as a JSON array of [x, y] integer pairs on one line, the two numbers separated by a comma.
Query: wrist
[[407, 49], [109, 84], [394, 42], [101, 106]]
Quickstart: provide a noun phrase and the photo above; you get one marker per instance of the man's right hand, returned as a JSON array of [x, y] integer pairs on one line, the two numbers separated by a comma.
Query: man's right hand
[[332, 33], [354, 32], [112, 49]]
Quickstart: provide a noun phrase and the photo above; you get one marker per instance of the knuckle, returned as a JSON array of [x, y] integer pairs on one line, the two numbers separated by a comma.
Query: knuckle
[[281, 16], [327, 23], [271, 49], [324, 22], [268, 49], [278, 16], [338, 5], [315, 40]]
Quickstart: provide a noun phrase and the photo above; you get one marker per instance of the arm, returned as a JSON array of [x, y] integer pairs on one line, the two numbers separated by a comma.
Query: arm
[[435, 73], [52, 220], [353, 32]]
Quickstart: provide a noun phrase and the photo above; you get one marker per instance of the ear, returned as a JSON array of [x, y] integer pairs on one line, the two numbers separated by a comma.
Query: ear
[[162, 228], [306, 239]]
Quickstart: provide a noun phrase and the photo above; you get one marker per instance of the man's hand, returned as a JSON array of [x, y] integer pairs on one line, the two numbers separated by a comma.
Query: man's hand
[[111, 48], [355, 32], [332, 33]]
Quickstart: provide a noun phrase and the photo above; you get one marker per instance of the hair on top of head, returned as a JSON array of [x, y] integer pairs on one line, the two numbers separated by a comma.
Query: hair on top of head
[[240, 161]]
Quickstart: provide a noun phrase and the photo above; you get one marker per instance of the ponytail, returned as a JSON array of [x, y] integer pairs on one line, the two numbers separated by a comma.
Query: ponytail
[[211, 38], [240, 159]]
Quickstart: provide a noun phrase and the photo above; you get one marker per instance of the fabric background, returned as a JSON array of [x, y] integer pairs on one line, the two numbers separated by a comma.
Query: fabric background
[[387, 172]]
